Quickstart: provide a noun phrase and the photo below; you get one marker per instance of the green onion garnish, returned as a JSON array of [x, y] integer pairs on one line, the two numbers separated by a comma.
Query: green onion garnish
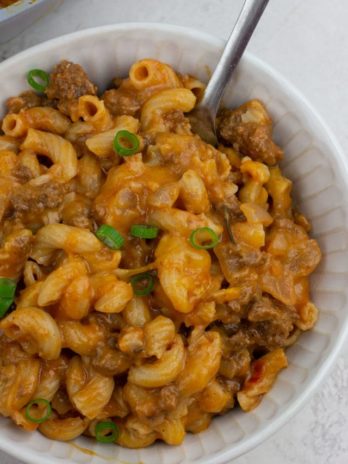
[[198, 238], [144, 231], [110, 237], [34, 404], [126, 143], [7, 287], [35, 76], [106, 432], [5, 304], [142, 284], [7, 293]]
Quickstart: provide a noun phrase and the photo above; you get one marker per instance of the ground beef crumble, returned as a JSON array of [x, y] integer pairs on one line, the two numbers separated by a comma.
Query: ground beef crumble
[[68, 82], [249, 130]]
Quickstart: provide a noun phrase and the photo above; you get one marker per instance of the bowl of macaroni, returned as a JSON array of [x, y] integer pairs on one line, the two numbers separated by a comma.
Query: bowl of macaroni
[[162, 300]]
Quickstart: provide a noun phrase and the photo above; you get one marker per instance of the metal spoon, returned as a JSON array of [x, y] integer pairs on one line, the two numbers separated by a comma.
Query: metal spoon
[[203, 117]]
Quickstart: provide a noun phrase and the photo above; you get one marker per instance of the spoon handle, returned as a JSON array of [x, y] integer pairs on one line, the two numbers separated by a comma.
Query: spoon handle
[[249, 17]]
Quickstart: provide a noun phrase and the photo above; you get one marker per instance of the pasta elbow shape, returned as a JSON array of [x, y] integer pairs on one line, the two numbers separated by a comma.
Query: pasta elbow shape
[[51, 375], [36, 330], [64, 429], [89, 175], [163, 102], [29, 296], [131, 340], [172, 431], [116, 299], [76, 301], [158, 333], [81, 338], [53, 287], [17, 385], [202, 363], [102, 144], [133, 440], [308, 316], [162, 371], [76, 376], [193, 193], [197, 420], [264, 372], [175, 221], [92, 110], [61, 236], [184, 272], [14, 125], [137, 312], [148, 73], [60, 151], [42, 118], [94, 396], [215, 398]]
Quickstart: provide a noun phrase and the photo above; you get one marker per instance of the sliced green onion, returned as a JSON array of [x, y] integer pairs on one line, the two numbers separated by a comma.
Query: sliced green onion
[[37, 403], [142, 284], [35, 76], [7, 293], [7, 287], [111, 429], [5, 304], [126, 143], [198, 238], [144, 231], [110, 237]]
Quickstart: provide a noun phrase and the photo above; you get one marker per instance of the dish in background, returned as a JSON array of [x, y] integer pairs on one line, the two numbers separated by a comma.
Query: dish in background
[[21, 14], [314, 162]]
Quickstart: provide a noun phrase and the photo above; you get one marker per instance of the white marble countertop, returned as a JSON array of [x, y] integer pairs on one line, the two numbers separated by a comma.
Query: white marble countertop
[[307, 42]]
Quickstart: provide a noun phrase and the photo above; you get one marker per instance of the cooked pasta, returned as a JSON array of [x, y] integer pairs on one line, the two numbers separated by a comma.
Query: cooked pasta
[[148, 281], [6, 3]]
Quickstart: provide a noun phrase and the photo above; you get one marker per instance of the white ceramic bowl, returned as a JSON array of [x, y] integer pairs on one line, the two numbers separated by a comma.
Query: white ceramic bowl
[[15, 18], [318, 169]]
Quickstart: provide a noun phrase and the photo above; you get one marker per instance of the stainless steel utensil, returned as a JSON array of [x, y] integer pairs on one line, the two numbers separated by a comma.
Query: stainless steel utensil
[[203, 116]]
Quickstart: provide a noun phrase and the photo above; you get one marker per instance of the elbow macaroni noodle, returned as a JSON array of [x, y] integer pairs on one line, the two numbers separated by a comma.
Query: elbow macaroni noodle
[[211, 332]]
